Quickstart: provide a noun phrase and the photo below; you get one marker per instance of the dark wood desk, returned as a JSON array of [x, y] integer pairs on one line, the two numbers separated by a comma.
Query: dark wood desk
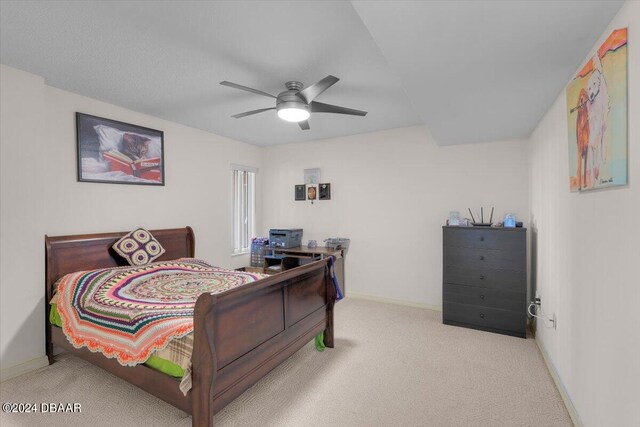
[[300, 255], [320, 251]]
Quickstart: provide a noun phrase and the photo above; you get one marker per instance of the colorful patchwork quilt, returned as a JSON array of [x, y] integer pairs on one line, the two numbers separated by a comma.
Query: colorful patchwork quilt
[[128, 313]]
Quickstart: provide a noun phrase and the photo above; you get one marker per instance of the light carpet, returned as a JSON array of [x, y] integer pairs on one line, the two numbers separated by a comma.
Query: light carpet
[[392, 366]]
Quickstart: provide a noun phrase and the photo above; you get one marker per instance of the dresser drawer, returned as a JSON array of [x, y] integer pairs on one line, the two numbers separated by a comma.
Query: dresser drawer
[[484, 317], [470, 237], [485, 297], [508, 280], [484, 258]]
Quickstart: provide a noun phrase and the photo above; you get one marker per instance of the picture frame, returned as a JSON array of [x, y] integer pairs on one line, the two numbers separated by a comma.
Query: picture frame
[[312, 192], [597, 118], [114, 152], [312, 176], [300, 192], [324, 191]]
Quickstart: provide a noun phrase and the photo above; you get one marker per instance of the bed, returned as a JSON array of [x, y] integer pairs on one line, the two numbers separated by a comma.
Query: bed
[[229, 354]]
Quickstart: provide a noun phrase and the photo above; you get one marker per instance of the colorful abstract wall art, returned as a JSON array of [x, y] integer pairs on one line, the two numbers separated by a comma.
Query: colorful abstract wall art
[[597, 118]]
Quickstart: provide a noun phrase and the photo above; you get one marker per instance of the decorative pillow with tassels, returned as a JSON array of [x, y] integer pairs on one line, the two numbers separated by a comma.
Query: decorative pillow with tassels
[[138, 247]]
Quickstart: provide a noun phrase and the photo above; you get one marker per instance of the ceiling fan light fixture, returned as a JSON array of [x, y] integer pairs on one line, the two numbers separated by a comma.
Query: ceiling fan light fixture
[[297, 102], [293, 114]]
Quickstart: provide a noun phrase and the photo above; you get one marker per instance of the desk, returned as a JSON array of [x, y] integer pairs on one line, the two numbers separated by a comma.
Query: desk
[[294, 257]]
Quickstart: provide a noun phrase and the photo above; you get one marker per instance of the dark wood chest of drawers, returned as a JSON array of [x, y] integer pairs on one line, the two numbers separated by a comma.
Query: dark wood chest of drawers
[[484, 279]]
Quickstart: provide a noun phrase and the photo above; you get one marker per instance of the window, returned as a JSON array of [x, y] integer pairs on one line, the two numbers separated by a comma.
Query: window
[[244, 207]]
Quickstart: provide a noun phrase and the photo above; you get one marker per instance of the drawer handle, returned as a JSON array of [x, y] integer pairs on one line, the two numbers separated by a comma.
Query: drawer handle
[[481, 257], [482, 277], [482, 315], [481, 296]]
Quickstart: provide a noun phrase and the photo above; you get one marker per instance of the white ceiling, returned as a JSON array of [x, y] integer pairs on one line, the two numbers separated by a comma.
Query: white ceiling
[[484, 70], [471, 71]]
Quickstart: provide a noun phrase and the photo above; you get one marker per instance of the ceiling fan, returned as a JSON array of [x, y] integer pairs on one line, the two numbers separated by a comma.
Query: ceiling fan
[[296, 104]]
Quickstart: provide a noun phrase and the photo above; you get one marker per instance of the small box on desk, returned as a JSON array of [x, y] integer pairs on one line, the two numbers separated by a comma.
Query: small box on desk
[[258, 247]]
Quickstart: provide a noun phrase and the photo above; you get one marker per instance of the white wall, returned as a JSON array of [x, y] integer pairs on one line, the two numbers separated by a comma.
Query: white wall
[[391, 193], [585, 263], [40, 195]]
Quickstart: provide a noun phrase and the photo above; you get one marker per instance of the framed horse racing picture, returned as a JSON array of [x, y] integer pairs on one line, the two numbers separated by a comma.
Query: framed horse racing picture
[[114, 152]]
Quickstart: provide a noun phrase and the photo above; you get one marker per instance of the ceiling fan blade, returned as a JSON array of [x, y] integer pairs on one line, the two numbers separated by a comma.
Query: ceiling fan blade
[[310, 93], [304, 125], [248, 89], [319, 107], [249, 113]]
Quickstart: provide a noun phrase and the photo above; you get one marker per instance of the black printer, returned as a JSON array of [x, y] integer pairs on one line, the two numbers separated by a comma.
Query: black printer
[[285, 237]]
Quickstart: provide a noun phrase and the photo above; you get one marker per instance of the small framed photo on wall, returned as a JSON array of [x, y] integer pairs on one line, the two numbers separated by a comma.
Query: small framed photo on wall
[[325, 191], [312, 176], [312, 192], [300, 192]]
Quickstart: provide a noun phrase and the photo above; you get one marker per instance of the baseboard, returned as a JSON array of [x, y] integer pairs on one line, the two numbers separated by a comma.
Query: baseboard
[[23, 368], [568, 403], [393, 301]]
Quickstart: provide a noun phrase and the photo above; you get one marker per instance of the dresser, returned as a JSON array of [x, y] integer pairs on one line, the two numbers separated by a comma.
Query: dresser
[[484, 279]]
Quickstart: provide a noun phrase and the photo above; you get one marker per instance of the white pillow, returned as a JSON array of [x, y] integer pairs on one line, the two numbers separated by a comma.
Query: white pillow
[[111, 139], [155, 147]]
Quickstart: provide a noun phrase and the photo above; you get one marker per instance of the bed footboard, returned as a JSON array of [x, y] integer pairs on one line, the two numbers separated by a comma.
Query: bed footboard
[[243, 334]]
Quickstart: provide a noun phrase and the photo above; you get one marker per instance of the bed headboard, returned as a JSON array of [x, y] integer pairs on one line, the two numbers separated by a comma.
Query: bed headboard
[[66, 254]]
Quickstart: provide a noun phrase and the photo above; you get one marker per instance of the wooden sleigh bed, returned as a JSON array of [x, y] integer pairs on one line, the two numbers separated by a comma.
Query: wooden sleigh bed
[[239, 335]]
